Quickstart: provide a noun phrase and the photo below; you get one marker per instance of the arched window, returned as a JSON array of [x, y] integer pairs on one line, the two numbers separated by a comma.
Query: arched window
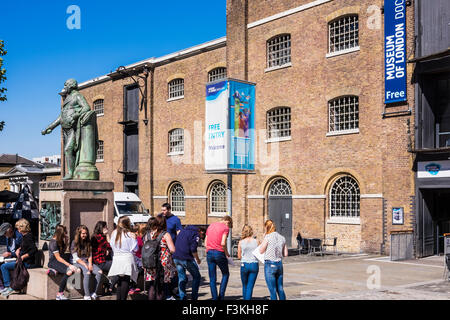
[[345, 198], [98, 107], [279, 50], [218, 199], [280, 188], [279, 123], [217, 74], [177, 199], [176, 141], [343, 114], [176, 88], [343, 33]]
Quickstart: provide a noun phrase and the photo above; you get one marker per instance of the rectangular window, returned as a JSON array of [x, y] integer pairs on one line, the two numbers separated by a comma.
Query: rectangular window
[[176, 141], [343, 114], [279, 51], [279, 123], [217, 74], [343, 34], [176, 88], [98, 107], [100, 151]]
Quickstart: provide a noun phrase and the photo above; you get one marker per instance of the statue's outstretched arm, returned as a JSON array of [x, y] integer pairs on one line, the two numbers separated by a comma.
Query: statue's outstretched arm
[[52, 126]]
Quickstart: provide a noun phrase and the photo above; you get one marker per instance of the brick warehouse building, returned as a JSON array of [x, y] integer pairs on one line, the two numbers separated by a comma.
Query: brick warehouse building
[[332, 159]]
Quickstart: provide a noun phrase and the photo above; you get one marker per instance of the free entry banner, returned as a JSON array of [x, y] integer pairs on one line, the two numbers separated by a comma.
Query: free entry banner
[[395, 51]]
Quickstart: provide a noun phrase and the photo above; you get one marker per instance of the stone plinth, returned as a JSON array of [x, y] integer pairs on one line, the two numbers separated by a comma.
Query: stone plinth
[[82, 203]]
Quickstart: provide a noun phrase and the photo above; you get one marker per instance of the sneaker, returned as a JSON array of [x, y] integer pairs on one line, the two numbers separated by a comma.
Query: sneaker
[[7, 292], [51, 272], [131, 291], [137, 290], [87, 298], [61, 297], [171, 298], [94, 296], [4, 289]]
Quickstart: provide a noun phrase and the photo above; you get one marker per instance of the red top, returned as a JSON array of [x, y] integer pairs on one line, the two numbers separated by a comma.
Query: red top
[[214, 233], [100, 248]]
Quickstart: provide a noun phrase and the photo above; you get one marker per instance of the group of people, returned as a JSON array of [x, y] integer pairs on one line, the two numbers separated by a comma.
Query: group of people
[[19, 243], [162, 251]]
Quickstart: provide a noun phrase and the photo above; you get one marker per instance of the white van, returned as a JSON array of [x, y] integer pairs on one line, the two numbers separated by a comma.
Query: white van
[[129, 204]]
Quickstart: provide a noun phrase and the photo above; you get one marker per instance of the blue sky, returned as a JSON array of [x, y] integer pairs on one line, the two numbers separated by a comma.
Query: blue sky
[[43, 53]]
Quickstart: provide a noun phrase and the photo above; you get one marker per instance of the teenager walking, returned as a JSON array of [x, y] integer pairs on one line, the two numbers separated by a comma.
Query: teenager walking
[[165, 269], [81, 250], [58, 259], [274, 249], [217, 254], [173, 228], [124, 245], [185, 253], [249, 263]]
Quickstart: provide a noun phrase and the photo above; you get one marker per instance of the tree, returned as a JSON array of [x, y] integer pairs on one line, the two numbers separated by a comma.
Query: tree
[[2, 78]]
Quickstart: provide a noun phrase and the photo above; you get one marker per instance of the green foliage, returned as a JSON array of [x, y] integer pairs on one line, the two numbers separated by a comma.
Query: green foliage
[[2, 78]]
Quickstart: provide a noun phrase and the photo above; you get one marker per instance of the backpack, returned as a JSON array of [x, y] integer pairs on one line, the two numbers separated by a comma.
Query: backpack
[[150, 251], [20, 276]]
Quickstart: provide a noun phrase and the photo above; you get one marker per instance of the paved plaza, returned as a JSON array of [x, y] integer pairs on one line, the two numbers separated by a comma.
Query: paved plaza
[[341, 277]]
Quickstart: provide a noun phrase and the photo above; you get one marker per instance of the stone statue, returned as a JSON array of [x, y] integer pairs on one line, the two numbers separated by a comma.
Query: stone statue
[[50, 217], [80, 135]]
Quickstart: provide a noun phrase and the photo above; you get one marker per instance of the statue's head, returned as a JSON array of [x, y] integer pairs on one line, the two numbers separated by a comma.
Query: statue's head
[[70, 85]]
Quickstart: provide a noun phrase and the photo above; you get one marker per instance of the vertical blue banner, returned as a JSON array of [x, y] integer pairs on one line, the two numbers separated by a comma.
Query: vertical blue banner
[[241, 125], [394, 51]]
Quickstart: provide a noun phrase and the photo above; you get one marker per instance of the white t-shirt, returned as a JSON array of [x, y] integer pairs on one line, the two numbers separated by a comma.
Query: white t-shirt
[[128, 244], [274, 251]]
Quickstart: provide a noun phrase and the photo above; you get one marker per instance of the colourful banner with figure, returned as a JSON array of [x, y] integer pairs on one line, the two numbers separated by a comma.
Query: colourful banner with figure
[[242, 126], [230, 126]]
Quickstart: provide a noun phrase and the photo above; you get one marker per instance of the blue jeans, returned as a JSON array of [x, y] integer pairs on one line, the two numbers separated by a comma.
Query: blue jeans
[[217, 258], [6, 268], [191, 266], [249, 273], [273, 272]]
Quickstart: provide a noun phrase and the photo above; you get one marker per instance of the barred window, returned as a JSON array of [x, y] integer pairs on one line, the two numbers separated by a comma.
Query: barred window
[[218, 198], [343, 33], [279, 123], [176, 141], [177, 198], [217, 74], [345, 198], [343, 113], [279, 50], [176, 88], [280, 188], [100, 150], [98, 107]]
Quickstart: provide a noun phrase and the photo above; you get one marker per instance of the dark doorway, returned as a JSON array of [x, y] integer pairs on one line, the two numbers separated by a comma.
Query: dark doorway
[[131, 139], [280, 208], [434, 221]]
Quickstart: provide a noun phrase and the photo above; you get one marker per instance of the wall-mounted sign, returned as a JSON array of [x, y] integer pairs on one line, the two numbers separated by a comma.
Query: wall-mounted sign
[[397, 216], [395, 51], [230, 124], [434, 169]]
